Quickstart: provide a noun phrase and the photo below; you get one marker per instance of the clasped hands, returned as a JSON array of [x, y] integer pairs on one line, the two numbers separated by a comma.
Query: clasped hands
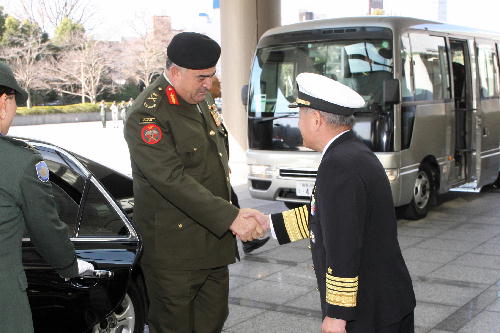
[[250, 224]]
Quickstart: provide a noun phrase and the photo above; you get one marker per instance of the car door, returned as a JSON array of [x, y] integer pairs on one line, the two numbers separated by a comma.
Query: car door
[[101, 234]]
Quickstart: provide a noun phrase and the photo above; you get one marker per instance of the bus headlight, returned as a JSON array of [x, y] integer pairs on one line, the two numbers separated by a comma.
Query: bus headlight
[[260, 171], [392, 174]]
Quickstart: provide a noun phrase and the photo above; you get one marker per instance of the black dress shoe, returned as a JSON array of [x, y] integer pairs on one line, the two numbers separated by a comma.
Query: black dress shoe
[[254, 244]]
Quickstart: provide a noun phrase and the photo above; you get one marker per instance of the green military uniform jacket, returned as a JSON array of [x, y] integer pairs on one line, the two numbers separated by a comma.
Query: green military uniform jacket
[[26, 203], [181, 180]]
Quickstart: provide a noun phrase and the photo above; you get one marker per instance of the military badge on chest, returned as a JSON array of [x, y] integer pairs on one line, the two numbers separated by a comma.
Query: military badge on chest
[[313, 202], [215, 114]]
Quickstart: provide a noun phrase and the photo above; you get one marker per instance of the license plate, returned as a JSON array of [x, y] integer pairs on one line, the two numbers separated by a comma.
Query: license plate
[[304, 189]]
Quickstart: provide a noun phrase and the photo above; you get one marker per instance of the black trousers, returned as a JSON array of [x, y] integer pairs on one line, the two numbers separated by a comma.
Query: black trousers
[[406, 325]]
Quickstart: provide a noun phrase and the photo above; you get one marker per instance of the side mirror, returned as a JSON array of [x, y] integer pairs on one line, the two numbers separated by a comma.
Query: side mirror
[[391, 92], [244, 95]]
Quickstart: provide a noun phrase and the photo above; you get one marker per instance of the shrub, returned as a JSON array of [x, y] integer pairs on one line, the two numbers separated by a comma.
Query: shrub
[[72, 108]]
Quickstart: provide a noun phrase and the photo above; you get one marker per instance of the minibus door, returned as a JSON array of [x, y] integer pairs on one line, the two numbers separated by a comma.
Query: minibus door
[[487, 124], [463, 108]]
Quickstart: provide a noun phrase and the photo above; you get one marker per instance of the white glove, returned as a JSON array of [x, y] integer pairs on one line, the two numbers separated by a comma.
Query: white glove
[[84, 266]]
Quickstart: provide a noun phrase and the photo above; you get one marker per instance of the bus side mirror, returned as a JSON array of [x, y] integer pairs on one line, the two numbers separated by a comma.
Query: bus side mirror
[[244, 95], [391, 92]]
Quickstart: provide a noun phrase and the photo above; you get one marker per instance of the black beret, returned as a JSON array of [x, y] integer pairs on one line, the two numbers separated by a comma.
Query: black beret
[[193, 50]]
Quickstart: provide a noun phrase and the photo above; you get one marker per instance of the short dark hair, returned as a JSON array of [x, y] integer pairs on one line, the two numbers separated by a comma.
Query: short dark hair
[[169, 64], [7, 91]]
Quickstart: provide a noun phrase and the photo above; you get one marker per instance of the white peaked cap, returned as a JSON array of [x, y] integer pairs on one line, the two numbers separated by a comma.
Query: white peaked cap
[[327, 95]]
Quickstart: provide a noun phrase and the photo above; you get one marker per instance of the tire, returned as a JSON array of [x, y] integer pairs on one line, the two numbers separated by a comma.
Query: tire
[[293, 205], [424, 191], [129, 316]]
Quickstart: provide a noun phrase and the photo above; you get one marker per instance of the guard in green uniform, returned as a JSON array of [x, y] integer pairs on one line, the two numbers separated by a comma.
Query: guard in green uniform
[[26, 204], [182, 192]]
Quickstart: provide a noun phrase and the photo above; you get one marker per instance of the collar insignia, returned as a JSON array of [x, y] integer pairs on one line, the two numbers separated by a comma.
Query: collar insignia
[[172, 95]]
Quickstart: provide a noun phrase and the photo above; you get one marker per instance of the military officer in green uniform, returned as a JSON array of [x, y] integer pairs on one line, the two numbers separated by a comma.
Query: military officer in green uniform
[[26, 204], [182, 192]]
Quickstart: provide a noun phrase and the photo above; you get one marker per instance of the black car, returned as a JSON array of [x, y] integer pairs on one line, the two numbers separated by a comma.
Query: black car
[[97, 204]]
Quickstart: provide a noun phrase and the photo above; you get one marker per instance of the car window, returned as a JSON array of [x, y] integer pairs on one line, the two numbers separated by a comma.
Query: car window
[[99, 217], [67, 186]]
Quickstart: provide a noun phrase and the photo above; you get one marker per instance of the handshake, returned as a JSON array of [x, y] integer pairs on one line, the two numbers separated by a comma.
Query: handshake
[[250, 224]]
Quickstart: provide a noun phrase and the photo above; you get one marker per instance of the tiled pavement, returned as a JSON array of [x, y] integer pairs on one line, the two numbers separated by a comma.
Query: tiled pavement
[[453, 255]]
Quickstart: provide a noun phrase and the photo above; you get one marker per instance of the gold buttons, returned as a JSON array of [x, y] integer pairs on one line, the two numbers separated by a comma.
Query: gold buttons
[[212, 133], [180, 225]]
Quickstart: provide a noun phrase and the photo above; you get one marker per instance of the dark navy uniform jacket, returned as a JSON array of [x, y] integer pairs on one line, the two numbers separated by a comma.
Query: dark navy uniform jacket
[[362, 277]]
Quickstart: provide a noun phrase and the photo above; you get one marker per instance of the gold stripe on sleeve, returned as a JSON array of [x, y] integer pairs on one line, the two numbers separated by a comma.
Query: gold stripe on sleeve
[[341, 291], [294, 224]]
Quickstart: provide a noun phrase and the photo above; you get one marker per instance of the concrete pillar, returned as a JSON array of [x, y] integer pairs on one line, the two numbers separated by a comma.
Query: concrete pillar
[[242, 24]]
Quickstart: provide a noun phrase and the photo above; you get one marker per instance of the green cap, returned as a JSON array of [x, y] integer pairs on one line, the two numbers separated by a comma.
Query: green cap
[[7, 80]]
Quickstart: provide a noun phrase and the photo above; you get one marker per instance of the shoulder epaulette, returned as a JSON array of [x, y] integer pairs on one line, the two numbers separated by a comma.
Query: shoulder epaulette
[[19, 143], [153, 98]]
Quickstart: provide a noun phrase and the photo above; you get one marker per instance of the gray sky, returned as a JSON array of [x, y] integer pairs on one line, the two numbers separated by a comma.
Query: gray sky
[[114, 19]]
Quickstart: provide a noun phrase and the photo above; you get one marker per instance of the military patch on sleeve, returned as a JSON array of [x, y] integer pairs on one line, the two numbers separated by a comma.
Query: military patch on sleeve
[[151, 134], [150, 102], [42, 171]]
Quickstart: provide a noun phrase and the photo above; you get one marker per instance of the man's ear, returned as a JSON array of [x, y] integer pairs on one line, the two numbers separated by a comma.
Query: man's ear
[[317, 119], [3, 106]]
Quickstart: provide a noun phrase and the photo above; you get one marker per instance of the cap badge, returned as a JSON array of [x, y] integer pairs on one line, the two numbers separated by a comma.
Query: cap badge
[[151, 134], [42, 171], [303, 102], [172, 95], [150, 102]]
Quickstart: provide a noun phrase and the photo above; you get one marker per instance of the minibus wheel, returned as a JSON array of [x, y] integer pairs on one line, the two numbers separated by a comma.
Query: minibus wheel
[[423, 193]]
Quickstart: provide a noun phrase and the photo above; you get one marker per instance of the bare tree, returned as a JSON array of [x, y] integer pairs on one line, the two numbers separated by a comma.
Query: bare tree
[[80, 70], [50, 13], [142, 59], [144, 56], [27, 54]]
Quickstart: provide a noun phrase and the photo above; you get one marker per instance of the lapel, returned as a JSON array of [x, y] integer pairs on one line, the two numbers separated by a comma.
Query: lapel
[[187, 110]]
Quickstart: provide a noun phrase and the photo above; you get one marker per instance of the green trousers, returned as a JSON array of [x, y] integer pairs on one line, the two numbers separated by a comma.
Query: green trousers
[[187, 301]]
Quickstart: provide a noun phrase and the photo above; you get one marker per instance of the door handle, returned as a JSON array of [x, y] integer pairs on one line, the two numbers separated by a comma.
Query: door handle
[[98, 274], [89, 279]]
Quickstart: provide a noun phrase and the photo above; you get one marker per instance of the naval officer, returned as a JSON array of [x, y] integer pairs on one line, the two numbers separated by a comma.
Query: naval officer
[[363, 282], [26, 204], [182, 192]]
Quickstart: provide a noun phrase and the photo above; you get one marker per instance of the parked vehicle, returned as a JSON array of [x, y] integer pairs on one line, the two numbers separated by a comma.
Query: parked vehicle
[[432, 112], [97, 205]]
